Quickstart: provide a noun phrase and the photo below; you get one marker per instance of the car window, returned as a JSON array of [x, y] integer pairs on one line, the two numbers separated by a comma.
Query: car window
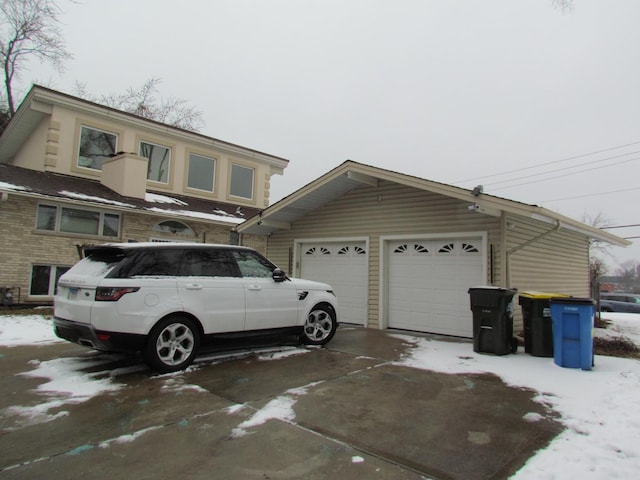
[[253, 265], [150, 263], [208, 263]]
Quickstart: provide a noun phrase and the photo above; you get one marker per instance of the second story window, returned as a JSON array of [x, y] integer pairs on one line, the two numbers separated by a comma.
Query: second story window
[[80, 221], [159, 161], [95, 146], [202, 172], [241, 181]]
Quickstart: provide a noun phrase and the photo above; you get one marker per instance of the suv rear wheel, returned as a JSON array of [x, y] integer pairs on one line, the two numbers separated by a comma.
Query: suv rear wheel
[[320, 325], [172, 344]]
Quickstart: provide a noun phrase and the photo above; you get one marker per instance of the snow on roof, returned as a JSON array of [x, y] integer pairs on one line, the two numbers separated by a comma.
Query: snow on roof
[[156, 198], [9, 186], [91, 198]]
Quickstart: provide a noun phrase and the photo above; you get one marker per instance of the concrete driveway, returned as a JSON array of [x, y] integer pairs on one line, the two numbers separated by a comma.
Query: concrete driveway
[[341, 412]]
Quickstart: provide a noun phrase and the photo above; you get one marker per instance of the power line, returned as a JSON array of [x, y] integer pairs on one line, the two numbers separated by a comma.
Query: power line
[[624, 226], [591, 195], [573, 173], [569, 168], [549, 163]]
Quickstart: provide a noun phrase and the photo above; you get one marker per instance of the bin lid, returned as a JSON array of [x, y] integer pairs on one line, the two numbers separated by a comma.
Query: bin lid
[[574, 300], [492, 289], [542, 295]]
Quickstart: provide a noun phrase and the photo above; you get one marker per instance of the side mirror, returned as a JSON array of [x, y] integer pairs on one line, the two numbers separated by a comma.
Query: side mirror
[[278, 275]]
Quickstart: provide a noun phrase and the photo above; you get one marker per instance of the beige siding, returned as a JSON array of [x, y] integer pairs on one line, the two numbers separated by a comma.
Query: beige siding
[[390, 209], [556, 263]]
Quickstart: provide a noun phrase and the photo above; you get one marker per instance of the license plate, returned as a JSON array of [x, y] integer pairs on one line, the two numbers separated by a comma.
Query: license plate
[[73, 293]]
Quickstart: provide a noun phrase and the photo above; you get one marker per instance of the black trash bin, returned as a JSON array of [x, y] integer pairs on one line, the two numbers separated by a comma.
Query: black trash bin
[[536, 317], [493, 320]]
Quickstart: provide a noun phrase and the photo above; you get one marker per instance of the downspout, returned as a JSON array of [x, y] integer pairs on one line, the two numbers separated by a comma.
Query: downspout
[[526, 244]]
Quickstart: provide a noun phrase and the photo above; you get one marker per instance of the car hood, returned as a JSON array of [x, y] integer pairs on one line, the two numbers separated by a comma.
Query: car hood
[[302, 284]]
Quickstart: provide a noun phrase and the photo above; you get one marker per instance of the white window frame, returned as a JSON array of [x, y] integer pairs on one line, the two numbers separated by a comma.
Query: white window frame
[[213, 179], [58, 221], [253, 181], [150, 165], [101, 130], [52, 279]]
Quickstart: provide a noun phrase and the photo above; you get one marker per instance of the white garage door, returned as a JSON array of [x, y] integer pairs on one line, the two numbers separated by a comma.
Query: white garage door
[[343, 265], [428, 284]]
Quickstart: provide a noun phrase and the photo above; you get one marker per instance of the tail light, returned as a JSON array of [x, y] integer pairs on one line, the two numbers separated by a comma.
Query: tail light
[[113, 294]]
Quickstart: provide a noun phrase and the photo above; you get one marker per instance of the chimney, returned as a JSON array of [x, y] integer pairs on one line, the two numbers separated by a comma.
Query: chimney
[[126, 174]]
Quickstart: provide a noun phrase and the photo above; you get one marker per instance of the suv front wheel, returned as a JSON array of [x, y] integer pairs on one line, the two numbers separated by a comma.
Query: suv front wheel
[[172, 344], [320, 325]]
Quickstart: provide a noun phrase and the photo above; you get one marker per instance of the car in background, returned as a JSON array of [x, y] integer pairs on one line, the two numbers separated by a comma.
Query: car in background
[[620, 302], [165, 300]]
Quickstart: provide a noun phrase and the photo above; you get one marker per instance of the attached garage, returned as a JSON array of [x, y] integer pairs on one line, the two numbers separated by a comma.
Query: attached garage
[[343, 265], [428, 280], [402, 251]]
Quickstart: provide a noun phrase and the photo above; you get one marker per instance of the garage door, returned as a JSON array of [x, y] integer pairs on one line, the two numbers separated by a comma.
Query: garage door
[[428, 283], [343, 265]]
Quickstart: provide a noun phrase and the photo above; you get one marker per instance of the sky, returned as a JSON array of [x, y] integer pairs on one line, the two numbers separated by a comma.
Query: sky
[[536, 104], [600, 440]]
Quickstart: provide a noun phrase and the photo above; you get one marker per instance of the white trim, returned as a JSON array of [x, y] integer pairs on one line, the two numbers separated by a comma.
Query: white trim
[[383, 291], [297, 259]]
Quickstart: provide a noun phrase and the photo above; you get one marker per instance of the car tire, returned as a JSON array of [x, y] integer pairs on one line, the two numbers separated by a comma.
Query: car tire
[[172, 344], [320, 325]]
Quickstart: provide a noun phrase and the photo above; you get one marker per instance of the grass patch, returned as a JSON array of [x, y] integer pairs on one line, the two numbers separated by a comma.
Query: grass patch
[[615, 347], [17, 311]]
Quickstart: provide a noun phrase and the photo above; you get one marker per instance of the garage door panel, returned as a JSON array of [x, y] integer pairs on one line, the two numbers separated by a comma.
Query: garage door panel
[[343, 265], [428, 282]]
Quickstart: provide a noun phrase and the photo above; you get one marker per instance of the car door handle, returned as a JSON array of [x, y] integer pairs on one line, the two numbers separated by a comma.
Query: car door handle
[[193, 286], [255, 287]]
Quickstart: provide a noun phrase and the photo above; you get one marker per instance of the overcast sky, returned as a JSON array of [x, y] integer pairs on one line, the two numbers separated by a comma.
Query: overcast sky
[[464, 92]]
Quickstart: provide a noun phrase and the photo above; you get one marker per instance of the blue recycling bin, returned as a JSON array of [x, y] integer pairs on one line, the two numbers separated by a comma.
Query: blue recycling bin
[[572, 320]]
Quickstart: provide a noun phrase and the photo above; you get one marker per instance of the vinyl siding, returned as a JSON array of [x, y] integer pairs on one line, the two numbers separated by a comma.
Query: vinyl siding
[[389, 209], [556, 263]]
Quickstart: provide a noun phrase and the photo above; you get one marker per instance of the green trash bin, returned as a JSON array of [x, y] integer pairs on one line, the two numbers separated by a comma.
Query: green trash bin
[[492, 309], [536, 317]]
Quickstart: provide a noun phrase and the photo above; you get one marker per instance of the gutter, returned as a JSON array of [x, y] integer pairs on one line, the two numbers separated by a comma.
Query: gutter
[[517, 248]]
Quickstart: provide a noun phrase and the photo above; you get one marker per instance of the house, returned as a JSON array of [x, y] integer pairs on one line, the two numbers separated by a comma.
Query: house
[[402, 252], [73, 172]]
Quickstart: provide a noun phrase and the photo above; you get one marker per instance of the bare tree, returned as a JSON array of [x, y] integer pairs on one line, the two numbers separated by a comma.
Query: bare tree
[[28, 29], [145, 102], [564, 5], [628, 273], [597, 249]]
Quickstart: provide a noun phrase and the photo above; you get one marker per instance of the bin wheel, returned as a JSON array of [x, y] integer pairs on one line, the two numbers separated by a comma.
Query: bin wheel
[[514, 345]]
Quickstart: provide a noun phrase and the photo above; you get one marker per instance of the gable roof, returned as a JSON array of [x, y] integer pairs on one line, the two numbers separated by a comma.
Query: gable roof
[[350, 175], [80, 191], [39, 101]]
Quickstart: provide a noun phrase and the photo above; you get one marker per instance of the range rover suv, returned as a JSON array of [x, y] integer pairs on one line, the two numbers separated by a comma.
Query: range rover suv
[[165, 300]]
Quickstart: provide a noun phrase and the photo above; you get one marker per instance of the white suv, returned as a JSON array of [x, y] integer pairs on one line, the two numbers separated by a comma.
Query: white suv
[[166, 299]]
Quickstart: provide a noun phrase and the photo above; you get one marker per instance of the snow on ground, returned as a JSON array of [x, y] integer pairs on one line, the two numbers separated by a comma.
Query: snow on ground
[[599, 407], [26, 330]]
